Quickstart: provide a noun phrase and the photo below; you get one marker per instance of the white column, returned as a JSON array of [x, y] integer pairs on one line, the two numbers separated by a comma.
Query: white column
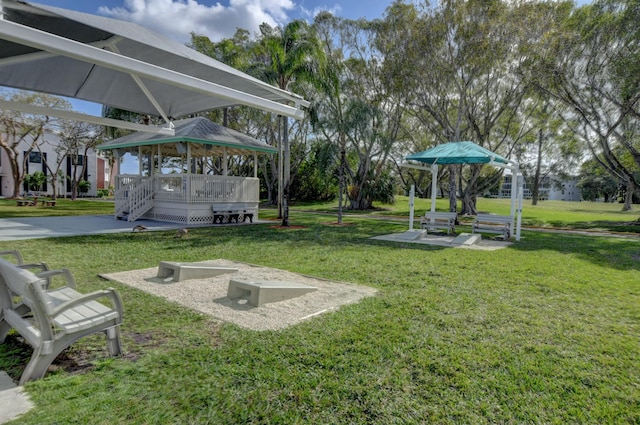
[[520, 193], [434, 186], [140, 160], [225, 160], [412, 193], [514, 191], [159, 159], [255, 164]]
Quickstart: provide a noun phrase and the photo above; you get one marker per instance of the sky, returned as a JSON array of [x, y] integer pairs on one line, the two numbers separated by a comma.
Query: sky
[[218, 19]]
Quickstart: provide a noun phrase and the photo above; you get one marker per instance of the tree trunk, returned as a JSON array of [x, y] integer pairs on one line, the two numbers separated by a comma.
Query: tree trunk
[[628, 197], [535, 189], [469, 203]]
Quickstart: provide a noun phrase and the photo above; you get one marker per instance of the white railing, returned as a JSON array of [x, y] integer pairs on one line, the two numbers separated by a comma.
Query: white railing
[[206, 189], [124, 183], [140, 199], [135, 195]]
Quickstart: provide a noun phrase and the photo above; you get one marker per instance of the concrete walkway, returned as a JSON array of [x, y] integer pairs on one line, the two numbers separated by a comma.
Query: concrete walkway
[[17, 228], [13, 402]]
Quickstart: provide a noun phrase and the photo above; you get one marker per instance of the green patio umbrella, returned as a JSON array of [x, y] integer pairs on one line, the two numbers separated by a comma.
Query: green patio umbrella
[[463, 153], [458, 153]]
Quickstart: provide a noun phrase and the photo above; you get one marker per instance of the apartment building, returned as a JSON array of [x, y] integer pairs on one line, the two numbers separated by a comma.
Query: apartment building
[[97, 172]]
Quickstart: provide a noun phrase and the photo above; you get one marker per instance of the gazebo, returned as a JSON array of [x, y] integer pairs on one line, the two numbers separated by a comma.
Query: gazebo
[[467, 153], [187, 197], [123, 65]]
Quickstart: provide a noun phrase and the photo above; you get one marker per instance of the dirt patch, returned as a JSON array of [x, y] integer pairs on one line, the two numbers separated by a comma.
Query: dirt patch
[[209, 296], [335, 223], [287, 227]]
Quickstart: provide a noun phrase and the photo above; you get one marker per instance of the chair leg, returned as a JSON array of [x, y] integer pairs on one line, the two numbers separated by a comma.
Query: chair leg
[[113, 341], [38, 365], [4, 328]]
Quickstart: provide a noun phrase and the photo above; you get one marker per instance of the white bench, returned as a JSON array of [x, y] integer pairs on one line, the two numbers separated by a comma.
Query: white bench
[[231, 216], [439, 220], [492, 223], [57, 317]]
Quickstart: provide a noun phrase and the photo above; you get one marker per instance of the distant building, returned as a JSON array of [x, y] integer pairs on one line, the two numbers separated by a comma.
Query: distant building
[[549, 190], [97, 172]]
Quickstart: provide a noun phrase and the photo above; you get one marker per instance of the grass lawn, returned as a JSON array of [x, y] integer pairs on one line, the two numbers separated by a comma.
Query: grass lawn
[[545, 331], [597, 216], [64, 207]]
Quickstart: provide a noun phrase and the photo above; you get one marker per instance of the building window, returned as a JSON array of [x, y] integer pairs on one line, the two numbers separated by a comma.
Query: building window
[[35, 157], [77, 159]]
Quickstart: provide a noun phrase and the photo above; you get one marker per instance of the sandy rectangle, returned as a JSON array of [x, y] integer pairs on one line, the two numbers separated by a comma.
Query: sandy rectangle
[[209, 296]]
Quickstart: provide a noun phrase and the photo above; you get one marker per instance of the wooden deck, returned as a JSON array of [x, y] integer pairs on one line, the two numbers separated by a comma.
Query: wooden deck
[[184, 198]]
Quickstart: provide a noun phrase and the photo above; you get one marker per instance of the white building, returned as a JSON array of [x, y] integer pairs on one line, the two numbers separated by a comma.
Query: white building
[[549, 190], [97, 172]]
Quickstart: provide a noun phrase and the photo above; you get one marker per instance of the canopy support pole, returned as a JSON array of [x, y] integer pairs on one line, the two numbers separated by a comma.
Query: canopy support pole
[[434, 185], [255, 164], [520, 194], [412, 193]]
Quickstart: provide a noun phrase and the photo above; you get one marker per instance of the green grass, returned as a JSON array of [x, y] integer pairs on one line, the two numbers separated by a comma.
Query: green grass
[[596, 216], [64, 207], [545, 331]]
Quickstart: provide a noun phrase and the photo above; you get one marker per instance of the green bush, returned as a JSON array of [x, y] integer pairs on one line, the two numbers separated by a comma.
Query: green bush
[[84, 186]]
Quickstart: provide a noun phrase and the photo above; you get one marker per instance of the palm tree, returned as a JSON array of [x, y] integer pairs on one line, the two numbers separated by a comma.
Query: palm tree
[[289, 57]]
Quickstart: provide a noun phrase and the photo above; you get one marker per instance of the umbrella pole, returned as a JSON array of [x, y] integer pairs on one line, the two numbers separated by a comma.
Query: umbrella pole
[[434, 186], [411, 196]]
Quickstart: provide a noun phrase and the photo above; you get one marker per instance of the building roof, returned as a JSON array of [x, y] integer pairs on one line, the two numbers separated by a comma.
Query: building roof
[[206, 138]]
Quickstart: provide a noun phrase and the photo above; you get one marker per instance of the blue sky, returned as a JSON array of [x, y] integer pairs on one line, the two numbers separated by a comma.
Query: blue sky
[[218, 18]]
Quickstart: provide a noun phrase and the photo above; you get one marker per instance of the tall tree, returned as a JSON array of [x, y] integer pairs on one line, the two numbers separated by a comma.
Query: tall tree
[[463, 57], [595, 70], [18, 130], [290, 56], [76, 139], [357, 110]]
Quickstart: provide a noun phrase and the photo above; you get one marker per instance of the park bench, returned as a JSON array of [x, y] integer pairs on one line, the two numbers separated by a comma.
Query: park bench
[[492, 223], [50, 320], [48, 203], [439, 220], [231, 216], [24, 202]]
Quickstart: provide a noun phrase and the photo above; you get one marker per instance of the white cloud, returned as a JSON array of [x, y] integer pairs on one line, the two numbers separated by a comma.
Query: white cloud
[[312, 13], [178, 18]]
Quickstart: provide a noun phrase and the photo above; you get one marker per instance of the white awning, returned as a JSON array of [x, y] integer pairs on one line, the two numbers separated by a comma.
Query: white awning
[[123, 65]]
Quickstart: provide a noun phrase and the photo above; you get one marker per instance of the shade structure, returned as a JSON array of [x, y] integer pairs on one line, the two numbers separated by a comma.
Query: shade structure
[[468, 153], [458, 153], [123, 65], [205, 138]]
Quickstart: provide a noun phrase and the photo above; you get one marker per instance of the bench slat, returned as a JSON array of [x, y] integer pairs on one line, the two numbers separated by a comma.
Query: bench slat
[[492, 223], [439, 220]]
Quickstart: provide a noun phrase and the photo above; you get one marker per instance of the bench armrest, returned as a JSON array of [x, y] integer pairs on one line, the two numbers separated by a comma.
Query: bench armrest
[[47, 274], [16, 254], [92, 296]]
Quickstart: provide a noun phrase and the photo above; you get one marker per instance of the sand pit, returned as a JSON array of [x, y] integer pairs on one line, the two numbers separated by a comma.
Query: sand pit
[[209, 296]]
